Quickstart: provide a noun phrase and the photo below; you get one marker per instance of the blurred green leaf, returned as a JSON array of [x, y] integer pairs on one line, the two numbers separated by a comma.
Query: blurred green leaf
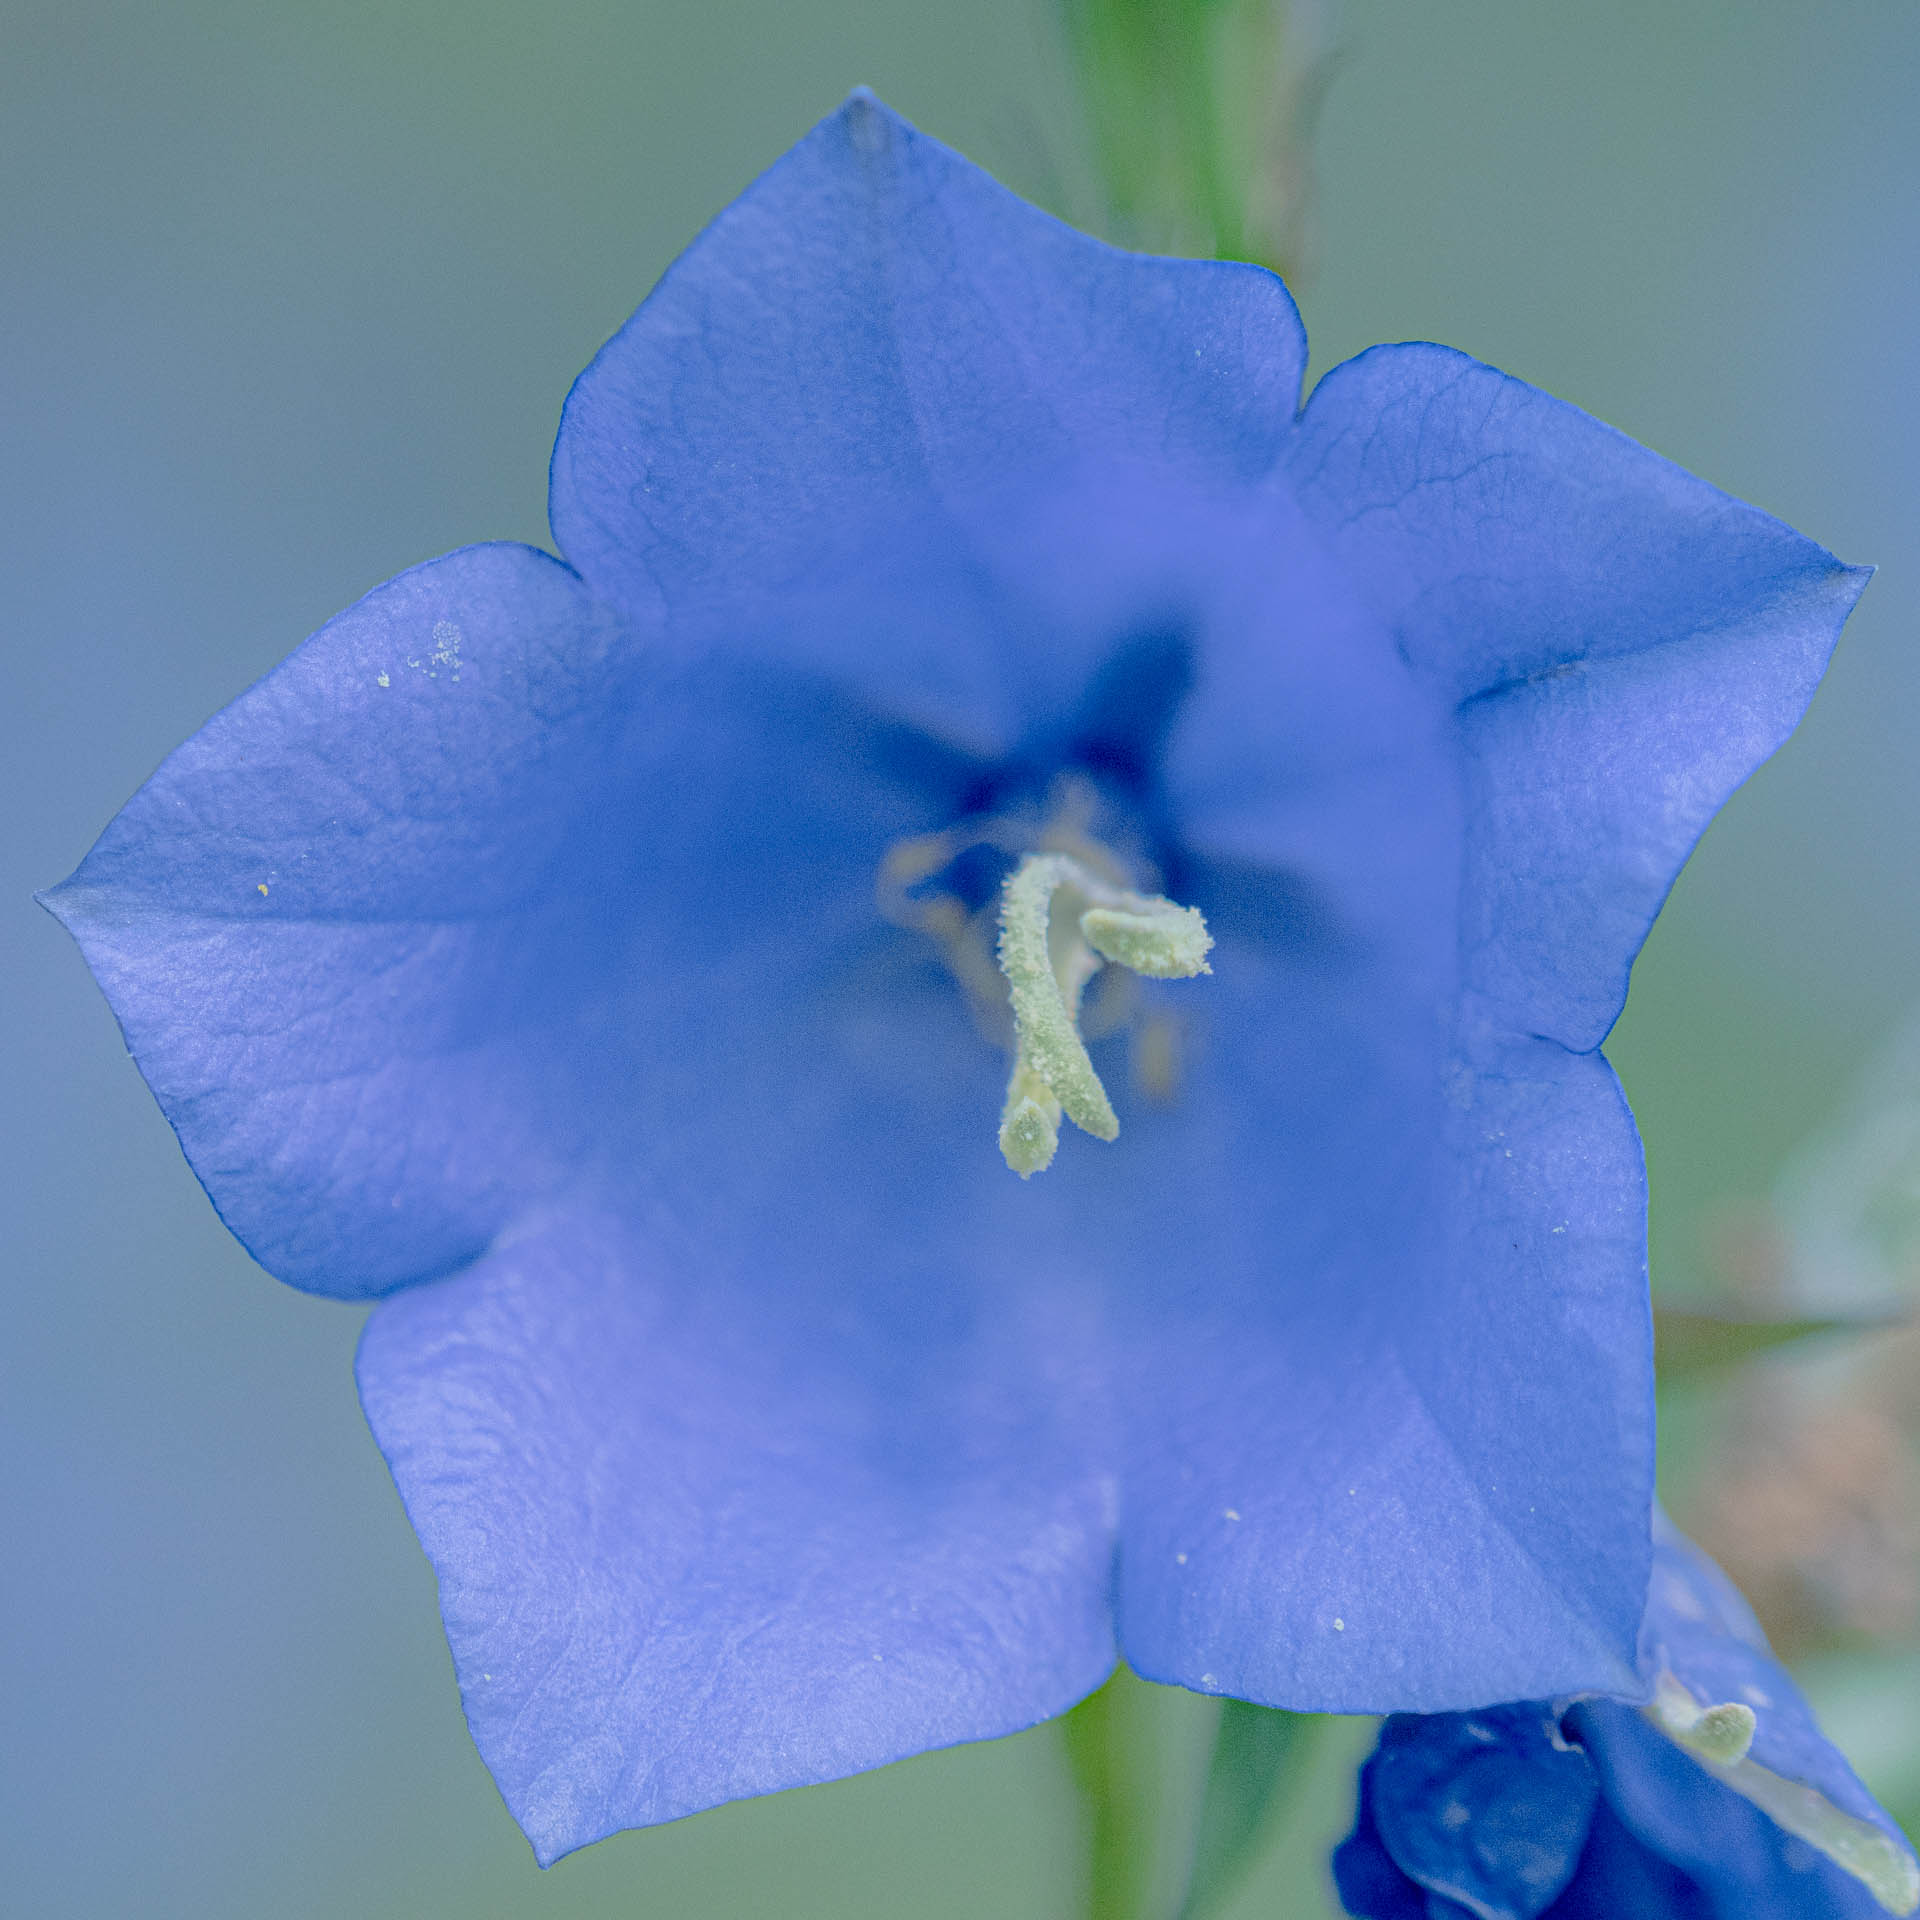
[[1260, 1755], [1688, 1344]]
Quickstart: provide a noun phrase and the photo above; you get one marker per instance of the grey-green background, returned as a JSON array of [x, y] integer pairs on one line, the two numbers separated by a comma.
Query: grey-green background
[[289, 298]]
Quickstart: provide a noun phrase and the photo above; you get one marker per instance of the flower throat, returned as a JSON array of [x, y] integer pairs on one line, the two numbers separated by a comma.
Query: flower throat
[[1064, 914]]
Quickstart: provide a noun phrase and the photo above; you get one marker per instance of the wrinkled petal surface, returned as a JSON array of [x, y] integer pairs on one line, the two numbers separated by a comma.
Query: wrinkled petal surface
[[1623, 643], [876, 336], [729, 1542], [329, 924]]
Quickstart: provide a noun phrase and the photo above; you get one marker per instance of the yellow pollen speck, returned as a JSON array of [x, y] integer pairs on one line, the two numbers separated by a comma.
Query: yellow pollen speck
[[382, 680], [1339, 1625], [263, 887]]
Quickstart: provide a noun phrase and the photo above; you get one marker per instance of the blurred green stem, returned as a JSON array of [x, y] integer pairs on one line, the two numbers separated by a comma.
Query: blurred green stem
[[1200, 112], [1261, 1756], [1110, 1747]]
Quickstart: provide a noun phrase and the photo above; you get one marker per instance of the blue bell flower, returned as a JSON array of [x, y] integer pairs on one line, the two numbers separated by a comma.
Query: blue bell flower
[[599, 961]]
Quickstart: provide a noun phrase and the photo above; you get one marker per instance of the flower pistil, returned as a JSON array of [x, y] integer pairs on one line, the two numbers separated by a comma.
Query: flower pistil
[[1048, 959]]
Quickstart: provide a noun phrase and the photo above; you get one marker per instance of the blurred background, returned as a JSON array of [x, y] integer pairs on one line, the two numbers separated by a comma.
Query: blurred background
[[290, 297]]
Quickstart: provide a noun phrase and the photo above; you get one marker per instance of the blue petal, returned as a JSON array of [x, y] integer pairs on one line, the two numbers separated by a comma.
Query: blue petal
[[1728, 1847], [1364, 1875], [1626, 644], [1488, 1809], [1620, 1879], [698, 1540], [869, 337], [327, 922], [1700, 1629], [1612, 1876], [1392, 1418]]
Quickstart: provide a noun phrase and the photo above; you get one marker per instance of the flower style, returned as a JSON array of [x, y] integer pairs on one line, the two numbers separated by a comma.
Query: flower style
[[1718, 1801], [596, 959]]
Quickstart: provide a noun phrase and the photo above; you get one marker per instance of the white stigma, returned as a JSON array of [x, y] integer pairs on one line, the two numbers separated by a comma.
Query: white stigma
[[1048, 959]]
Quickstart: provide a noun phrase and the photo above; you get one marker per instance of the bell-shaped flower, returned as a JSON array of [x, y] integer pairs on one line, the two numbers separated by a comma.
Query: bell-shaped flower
[[597, 959], [1718, 1799]]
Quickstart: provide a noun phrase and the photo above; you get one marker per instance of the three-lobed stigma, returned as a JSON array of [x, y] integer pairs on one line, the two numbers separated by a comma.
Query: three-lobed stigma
[[1059, 922]]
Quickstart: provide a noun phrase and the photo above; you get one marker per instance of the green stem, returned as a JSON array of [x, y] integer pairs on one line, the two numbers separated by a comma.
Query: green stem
[[1260, 1758], [1110, 1748]]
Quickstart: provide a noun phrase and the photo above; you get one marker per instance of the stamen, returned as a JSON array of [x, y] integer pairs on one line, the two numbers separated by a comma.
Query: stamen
[[1048, 960], [1719, 1737], [961, 937]]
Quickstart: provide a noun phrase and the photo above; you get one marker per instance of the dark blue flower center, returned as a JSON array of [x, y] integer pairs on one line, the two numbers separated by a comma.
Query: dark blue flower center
[[1109, 745]]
